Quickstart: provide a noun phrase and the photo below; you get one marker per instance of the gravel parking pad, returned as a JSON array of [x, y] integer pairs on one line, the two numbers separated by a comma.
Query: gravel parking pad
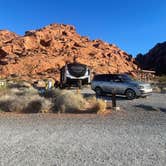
[[134, 136]]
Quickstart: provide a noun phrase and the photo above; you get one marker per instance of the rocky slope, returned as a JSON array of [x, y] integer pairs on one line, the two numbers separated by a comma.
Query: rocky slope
[[6, 36], [41, 53], [155, 59]]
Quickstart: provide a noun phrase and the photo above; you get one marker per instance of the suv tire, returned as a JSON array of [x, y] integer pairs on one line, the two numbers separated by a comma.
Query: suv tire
[[130, 94]]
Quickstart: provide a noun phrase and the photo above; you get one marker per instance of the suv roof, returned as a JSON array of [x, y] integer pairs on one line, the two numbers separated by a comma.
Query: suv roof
[[103, 77]]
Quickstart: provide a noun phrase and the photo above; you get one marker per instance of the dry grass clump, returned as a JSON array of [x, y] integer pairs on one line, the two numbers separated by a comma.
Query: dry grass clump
[[24, 101], [73, 102], [101, 106], [52, 93], [36, 104], [68, 101], [28, 100], [25, 104], [23, 98], [97, 105], [3, 91]]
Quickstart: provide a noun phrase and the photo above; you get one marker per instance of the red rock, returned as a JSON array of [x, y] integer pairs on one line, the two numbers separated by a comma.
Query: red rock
[[6, 36], [41, 53]]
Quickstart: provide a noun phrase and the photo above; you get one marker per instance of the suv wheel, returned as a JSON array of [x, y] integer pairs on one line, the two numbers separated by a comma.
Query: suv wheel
[[130, 94], [98, 91]]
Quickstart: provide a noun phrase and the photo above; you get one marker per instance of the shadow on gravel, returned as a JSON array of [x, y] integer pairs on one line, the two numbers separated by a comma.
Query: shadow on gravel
[[146, 107], [150, 108]]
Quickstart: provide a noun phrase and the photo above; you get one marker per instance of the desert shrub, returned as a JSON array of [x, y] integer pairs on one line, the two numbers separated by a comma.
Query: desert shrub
[[91, 100], [99, 105], [68, 101], [18, 84], [72, 102], [52, 93], [3, 91], [6, 102], [27, 102], [36, 104], [161, 79], [26, 99]]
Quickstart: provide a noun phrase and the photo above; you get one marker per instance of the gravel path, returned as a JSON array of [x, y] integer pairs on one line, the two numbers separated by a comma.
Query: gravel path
[[135, 136]]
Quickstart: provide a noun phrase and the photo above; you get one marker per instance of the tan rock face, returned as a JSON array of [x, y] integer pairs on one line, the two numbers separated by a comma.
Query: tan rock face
[[41, 53]]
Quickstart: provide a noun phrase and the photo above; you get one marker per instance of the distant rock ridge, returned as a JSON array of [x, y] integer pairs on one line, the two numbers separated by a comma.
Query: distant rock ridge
[[155, 59], [41, 53]]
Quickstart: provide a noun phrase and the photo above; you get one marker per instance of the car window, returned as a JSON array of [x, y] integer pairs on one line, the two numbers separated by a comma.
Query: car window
[[109, 78], [99, 78], [117, 78], [104, 77], [125, 77]]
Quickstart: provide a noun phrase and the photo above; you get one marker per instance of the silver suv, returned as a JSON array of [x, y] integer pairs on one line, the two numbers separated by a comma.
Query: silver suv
[[120, 84]]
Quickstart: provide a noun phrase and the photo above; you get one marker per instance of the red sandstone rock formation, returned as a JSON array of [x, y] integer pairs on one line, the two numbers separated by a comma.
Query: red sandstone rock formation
[[41, 53], [6, 36]]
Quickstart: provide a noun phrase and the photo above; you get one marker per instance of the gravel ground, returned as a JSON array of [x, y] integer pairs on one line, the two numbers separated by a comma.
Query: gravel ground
[[154, 102], [134, 136]]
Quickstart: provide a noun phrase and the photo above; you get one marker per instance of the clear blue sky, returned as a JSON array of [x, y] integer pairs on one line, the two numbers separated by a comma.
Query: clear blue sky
[[134, 25]]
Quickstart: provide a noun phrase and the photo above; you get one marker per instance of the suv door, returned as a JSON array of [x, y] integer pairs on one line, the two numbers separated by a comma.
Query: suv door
[[98, 81], [109, 84], [103, 83], [119, 84]]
